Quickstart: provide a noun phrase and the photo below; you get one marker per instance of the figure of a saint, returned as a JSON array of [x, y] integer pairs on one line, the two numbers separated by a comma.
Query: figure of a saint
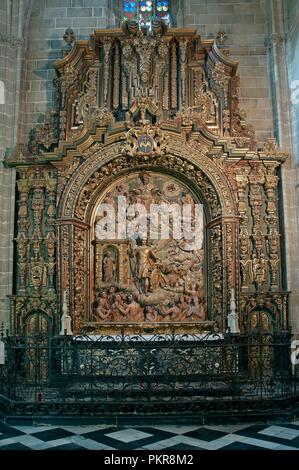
[[145, 262], [109, 267], [145, 193]]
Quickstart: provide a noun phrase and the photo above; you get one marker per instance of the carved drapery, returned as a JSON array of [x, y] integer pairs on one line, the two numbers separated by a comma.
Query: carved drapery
[[178, 93]]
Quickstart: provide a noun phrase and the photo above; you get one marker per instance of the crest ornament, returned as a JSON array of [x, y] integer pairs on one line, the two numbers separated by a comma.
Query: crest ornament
[[147, 141]]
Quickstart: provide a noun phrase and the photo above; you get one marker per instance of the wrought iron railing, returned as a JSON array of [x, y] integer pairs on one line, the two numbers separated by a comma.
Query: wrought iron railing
[[147, 374]]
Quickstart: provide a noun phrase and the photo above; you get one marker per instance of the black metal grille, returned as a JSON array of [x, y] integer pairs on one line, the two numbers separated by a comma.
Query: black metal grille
[[147, 374]]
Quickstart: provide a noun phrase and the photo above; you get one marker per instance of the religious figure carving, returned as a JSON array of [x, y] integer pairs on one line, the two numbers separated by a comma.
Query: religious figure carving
[[145, 263], [109, 268], [134, 311], [162, 274], [102, 309]]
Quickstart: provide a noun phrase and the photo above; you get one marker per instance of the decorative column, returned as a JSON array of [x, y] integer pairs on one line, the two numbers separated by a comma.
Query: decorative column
[[174, 76], [51, 238], [271, 218], [106, 71], [116, 78], [23, 226], [183, 64], [259, 262], [166, 77], [244, 236]]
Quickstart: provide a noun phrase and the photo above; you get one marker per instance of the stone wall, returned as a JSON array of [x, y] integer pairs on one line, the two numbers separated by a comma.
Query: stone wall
[[48, 22], [246, 27], [243, 21], [14, 17]]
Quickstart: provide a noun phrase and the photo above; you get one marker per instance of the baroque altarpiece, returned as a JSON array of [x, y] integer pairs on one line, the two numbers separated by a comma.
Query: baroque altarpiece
[[150, 117]]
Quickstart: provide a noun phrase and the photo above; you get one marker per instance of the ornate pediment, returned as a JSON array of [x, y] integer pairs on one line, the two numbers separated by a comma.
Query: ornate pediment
[[172, 77]]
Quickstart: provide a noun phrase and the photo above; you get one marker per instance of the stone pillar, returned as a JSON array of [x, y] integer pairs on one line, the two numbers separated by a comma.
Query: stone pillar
[[278, 53], [13, 21]]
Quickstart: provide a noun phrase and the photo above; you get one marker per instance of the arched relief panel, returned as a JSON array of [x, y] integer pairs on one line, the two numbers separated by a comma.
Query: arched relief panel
[[190, 167]]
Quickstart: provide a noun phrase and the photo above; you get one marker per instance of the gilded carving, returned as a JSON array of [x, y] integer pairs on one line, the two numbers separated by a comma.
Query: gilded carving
[[79, 279], [166, 103], [217, 275], [174, 72], [116, 78], [271, 149], [221, 79], [46, 135], [183, 62], [147, 141]]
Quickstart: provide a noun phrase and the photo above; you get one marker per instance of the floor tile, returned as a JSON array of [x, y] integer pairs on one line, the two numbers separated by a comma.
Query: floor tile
[[8, 431], [229, 428], [206, 434], [15, 446], [128, 435], [282, 447], [265, 438], [98, 431], [240, 446], [34, 429], [176, 429], [89, 444], [241, 436], [85, 429], [184, 447], [70, 446], [51, 434], [282, 432]]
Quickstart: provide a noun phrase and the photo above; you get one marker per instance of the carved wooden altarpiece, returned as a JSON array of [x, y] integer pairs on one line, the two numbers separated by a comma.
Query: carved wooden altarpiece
[[143, 114]]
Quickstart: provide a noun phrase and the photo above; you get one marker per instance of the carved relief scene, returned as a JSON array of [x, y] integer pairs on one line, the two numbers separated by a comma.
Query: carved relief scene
[[149, 252]]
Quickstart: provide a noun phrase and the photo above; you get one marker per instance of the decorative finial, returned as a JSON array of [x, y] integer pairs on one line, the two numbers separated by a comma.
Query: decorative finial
[[221, 37], [66, 320], [232, 318], [68, 37]]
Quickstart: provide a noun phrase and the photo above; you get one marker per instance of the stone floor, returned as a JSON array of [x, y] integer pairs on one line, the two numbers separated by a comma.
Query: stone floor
[[243, 436]]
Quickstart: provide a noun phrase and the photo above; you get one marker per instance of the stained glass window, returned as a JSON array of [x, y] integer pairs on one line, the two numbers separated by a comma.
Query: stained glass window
[[146, 11]]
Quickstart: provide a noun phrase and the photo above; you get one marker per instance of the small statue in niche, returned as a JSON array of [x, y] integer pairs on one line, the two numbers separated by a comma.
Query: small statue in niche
[[109, 268], [38, 274], [259, 269]]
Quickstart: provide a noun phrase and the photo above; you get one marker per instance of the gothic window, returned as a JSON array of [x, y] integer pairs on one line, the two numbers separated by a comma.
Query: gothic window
[[145, 12]]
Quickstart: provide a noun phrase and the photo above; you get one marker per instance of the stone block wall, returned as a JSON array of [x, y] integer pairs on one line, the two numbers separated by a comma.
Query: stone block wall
[[13, 21], [245, 24], [48, 22], [243, 21]]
